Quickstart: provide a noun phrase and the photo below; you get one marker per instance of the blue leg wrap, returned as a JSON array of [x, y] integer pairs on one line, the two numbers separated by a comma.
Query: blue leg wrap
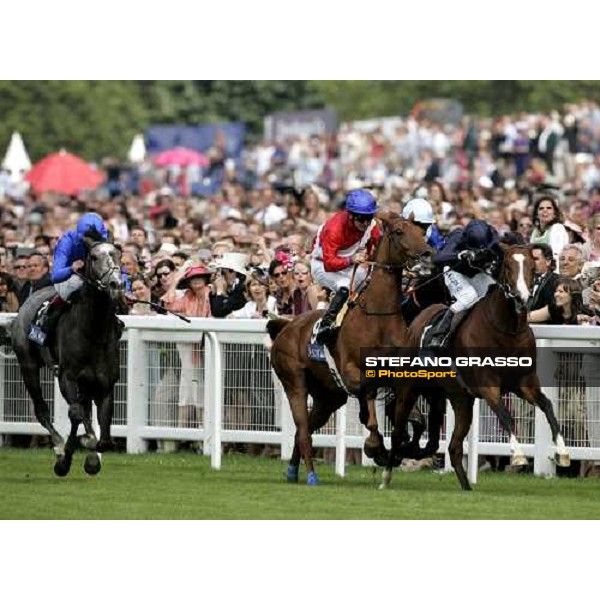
[[292, 474], [312, 479]]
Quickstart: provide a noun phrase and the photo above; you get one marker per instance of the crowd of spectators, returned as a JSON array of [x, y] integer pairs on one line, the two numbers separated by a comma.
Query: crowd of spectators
[[534, 177]]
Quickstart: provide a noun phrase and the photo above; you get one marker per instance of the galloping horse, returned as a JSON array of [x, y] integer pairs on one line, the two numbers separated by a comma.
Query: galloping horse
[[375, 320], [85, 348], [497, 321]]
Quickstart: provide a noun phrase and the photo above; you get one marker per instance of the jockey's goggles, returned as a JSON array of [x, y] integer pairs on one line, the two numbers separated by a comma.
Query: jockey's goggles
[[361, 218]]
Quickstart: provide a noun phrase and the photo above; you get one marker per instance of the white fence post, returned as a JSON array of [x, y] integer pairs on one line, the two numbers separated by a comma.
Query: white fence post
[[288, 428], [214, 376], [137, 391], [473, 455], [340, 440], [542, 462]]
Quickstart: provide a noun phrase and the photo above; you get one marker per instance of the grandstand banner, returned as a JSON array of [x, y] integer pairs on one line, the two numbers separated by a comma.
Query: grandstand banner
[[282, 125], [197, 137], [438, 110]]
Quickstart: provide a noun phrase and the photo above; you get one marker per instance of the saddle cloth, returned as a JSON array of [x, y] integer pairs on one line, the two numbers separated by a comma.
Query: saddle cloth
[[320, 353], [36, 334]]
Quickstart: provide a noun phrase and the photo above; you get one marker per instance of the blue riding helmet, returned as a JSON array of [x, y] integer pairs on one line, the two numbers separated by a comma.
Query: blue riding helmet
[[361, 202], [478, 234], [91, 221]]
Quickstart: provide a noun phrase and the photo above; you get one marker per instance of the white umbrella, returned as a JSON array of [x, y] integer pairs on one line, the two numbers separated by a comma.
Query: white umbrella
[[16, 160], [137, 151]]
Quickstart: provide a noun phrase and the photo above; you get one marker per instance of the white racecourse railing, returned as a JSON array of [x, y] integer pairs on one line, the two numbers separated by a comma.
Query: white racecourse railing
[[220, 369]]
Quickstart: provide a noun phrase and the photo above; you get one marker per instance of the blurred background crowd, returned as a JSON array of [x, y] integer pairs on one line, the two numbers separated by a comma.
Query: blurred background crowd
[[267, 203]]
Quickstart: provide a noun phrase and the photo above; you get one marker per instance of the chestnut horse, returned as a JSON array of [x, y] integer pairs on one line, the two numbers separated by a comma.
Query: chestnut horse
[[498, 321], [375, 320]]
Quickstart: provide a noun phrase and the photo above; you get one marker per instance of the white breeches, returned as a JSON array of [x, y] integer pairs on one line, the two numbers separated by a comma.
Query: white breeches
[[65, 288], [466, 291], [334, 280]]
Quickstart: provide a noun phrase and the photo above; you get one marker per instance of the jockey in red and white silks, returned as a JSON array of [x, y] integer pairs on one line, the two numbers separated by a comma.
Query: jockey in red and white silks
[[344, 240]]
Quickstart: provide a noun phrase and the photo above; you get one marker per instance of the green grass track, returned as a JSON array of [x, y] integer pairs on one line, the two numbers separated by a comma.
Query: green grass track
[[183, 486]]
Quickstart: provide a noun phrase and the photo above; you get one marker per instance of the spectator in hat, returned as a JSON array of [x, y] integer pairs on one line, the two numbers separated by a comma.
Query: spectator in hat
[[228, 286], [195, 302]]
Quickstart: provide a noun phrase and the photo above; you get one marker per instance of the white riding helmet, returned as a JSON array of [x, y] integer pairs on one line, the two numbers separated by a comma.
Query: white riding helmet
[[421, 209]]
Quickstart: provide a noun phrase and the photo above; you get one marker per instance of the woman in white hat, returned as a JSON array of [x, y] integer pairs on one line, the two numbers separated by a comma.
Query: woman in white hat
[[227, 294]]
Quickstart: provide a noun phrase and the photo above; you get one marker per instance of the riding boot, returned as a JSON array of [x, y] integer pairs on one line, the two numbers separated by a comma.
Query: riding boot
[[446, 328], [440, 331], [50, 318], [327, 329]]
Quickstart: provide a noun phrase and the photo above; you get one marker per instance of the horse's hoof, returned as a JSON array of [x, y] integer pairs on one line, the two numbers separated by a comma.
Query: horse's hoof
[[62, 466], [292, 474], [519, 461], [562, 460], [312, 479], [92, 464]]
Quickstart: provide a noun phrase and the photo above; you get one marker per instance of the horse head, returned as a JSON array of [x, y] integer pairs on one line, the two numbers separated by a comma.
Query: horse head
[[103, 270], [516, 275], [403, 244]]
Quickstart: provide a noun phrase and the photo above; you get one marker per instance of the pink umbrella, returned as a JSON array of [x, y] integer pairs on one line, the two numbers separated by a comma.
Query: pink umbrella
[[182, 157]]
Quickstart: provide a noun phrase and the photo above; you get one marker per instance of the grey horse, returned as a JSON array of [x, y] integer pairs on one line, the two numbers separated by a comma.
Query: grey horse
[[83, 350]]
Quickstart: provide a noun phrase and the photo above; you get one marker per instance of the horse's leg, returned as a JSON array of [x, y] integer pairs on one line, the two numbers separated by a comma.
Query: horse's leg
[[463, 416], [31, 377], [70, 392], [373, 447], [93, 463], [105, 415], [529, 389], [88, 440], [297, 395], [437, 410], [405, 400], [493, 397]]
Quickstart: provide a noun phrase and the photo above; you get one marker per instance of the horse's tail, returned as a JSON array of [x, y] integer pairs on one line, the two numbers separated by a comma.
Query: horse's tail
[[5, 332], [274, 326]]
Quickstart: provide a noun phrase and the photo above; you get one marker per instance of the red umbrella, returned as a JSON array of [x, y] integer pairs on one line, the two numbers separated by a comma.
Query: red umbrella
[[64, 173], [181, 156]]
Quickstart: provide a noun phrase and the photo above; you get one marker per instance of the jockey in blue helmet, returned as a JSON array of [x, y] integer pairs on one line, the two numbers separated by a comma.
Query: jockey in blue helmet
[[69, 258], [345, 240], [469, 260]]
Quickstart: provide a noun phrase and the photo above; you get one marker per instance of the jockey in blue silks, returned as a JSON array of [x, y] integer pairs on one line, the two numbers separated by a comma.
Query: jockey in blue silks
[[469, 260], [69, 258]]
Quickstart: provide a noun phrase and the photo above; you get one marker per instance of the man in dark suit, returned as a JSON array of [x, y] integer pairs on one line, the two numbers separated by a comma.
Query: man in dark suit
[[545, 278], [37, 276]]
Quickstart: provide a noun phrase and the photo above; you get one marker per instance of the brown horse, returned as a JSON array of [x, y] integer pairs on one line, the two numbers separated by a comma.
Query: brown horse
[[374, 321], [498, 321]]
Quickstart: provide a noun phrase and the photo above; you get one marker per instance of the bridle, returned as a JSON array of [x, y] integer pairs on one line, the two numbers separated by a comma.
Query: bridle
[[101, 282], [413, 259]]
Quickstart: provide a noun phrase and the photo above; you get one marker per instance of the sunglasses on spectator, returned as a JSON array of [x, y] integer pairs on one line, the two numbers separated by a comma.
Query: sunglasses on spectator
[[19, 267], [163, 273], [279, 274]]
